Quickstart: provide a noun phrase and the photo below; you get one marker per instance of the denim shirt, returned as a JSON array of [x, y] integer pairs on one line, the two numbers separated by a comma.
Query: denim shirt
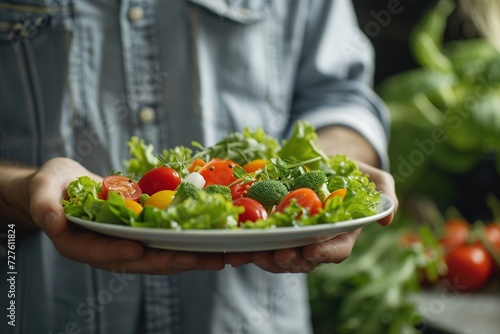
[[78, 78]]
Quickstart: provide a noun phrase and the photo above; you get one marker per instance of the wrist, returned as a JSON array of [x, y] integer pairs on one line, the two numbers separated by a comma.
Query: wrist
[[14, 196], [343, 140]]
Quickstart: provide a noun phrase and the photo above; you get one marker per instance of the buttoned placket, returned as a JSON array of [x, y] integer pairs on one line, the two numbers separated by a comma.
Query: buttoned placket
[[144, 78], [143, 74]]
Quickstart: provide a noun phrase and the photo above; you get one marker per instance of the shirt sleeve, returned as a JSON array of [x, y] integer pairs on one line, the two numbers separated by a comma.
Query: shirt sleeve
[[334, 79]]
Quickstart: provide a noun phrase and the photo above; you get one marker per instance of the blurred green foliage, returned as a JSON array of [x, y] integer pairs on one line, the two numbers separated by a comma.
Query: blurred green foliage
[[446, 113], [370, 292]]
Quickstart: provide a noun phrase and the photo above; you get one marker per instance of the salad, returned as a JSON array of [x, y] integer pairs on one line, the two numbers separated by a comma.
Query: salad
[[248, 180]]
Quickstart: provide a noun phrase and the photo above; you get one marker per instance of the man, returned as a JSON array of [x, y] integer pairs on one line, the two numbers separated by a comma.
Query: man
[[79, 78]]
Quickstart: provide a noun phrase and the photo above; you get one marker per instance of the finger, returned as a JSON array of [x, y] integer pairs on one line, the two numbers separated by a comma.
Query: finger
[[386, 220], [164, 262], [332, 251], [290, 260], [47, 188], [264, 260], [84, 246], [237, 259], [283, 261]]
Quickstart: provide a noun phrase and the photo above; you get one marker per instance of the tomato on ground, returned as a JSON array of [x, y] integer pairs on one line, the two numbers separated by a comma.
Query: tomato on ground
[[253, 210], [159, 178], [456, 232], [469, 267], [240, 189], [305, 197], [218, 171], [120, 184], [160, 199]]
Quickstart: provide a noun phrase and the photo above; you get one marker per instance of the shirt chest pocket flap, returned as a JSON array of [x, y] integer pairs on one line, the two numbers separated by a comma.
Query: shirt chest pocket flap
[[240, 11]]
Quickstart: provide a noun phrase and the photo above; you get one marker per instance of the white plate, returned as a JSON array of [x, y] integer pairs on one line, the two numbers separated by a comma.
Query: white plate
[[246, 240]]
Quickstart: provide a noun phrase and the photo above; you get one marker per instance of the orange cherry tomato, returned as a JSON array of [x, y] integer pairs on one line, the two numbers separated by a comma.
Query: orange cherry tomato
[[134, 206], [255, 165], [305, 197], [218, 171], [195, 165], [336, 193]]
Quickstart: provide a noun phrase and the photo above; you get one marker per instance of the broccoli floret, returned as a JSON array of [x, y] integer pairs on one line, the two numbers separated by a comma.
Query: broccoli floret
[[268, 193], [219, 189], [184, 191], [315, 180]]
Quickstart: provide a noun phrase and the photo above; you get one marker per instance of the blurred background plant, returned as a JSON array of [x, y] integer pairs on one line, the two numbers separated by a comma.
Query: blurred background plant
[[446, 114], [370, 293], [438, 70]]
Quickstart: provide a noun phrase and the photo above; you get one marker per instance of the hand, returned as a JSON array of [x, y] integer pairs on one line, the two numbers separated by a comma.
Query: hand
[[299, 260], [308, 258], [46, 189]]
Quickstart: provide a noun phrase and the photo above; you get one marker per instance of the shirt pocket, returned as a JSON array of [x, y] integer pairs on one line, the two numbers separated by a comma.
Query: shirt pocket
[[241, 11], [238, 55], [33, 50]]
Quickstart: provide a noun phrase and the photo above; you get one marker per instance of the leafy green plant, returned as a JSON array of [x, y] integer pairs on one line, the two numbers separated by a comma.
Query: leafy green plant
[[446, 113], [371, 291]]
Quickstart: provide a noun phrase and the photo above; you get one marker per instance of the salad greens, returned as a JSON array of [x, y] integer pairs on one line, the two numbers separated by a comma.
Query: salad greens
[[193, 208]]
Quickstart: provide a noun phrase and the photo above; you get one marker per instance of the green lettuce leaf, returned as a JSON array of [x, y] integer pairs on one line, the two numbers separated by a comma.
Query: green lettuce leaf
[[142, 158], [302, 145]]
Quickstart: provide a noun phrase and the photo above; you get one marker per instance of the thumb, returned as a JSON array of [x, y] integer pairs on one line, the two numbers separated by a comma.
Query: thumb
[[47, 188]]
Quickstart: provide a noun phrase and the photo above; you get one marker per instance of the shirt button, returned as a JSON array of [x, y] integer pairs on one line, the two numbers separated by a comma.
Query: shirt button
[[147, 115], [135, 13]]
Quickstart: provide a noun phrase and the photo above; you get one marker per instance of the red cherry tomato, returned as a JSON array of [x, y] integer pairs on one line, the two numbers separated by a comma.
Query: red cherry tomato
[[218, 171], [253, 210], [240, 189], [159, 178], [121, 184], [305, 197], [469, 267], [456, 232]]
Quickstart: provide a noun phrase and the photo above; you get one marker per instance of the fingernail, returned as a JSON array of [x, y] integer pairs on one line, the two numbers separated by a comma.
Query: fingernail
[[49, 221]]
